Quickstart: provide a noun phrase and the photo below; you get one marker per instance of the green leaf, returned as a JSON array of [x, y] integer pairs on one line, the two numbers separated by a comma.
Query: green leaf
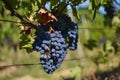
[[92, 7], [62, 6], [94, 13], [100, 58], [103, 2], [91, 44], [35, 7], [108, 46], [92, 4], [26, 42], [38, 3], [75, 12], [1, 9], [97, 2], [53, 2]]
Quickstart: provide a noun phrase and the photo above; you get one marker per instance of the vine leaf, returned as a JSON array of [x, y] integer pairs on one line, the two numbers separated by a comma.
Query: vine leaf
[[94, 14], [100, 58], [91, 44], [62, 7], [75, 12], [26, 41], [94, 6], [108, 46]]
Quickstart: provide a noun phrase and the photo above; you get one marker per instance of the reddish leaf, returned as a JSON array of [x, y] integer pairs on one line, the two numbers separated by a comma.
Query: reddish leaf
[[45, 16]]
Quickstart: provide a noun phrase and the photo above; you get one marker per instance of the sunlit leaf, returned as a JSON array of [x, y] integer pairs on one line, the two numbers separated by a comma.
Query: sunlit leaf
[[108, 46]]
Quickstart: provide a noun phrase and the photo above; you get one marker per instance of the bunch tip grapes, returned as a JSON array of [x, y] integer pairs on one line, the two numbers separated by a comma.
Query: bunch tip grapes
[[53, 50]]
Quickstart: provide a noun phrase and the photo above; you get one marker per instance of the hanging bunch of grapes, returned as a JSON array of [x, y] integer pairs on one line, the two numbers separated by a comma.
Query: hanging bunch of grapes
[[56, 32]]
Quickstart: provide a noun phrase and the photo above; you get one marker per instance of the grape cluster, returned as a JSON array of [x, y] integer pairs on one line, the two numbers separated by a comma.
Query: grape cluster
[[52, 45], [52, 49]]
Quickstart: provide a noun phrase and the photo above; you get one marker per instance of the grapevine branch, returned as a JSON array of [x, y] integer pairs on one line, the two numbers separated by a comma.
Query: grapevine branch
[[31, 64], [14, 13], [79, 28], [12, 21]]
